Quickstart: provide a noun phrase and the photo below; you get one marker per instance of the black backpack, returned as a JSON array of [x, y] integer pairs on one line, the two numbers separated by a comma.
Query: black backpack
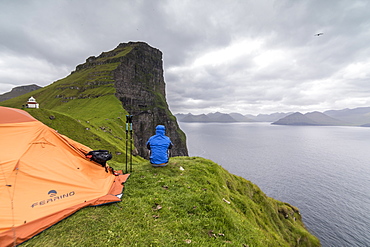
[[99, 156]]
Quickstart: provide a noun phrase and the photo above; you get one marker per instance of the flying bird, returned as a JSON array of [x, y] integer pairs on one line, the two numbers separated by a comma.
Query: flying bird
[[318, 34]]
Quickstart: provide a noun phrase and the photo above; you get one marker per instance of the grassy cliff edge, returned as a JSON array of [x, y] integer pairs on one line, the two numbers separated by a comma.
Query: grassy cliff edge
[[192, 201]]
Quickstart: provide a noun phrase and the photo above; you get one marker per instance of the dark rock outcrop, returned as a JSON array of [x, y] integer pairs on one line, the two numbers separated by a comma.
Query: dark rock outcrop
[[140, 86]]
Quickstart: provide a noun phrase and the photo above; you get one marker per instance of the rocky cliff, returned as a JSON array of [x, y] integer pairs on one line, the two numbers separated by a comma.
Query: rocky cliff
[[140, 86]]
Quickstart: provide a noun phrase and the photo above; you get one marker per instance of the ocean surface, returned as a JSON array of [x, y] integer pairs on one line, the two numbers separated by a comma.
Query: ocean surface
[[324, 171]]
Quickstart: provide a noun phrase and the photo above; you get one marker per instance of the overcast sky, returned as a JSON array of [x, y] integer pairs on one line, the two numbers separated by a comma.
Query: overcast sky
[[243, 56]]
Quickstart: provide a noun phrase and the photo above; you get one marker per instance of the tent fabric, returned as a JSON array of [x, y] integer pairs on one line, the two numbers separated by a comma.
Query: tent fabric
[[159, 145], [12, 115], [45, 177]]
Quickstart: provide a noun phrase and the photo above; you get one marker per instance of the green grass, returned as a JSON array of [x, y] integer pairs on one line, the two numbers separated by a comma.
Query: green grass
[[173, 207], [106, 130]]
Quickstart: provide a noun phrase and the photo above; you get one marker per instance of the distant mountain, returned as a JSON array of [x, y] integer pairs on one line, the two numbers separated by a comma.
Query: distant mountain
[[220, 117], [18, 91], [213, 117], [241, 118], [194, 118], [347, 117], [268, 117], [180, 116], [311, 118], [357, 116], [295, 119], [324, 119]]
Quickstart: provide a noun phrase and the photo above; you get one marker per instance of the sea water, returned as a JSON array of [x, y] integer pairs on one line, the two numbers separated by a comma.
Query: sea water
[[324, 171]]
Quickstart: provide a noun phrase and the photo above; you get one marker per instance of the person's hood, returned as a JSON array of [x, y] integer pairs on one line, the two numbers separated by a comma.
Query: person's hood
[[160, 130]]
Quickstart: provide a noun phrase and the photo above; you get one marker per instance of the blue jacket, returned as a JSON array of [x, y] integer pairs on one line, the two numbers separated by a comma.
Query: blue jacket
[[159, 145]]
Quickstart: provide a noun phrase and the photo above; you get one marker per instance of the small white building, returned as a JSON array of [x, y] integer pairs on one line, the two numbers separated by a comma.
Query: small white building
[[31, 103]]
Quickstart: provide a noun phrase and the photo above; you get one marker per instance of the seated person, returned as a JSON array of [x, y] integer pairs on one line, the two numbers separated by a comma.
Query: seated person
[[159, 146]]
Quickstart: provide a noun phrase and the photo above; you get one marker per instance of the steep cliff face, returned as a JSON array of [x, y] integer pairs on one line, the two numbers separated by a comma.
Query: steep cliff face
[[140, 86]]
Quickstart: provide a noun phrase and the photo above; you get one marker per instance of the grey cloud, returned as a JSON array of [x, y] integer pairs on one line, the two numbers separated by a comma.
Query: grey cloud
[[290, 68]]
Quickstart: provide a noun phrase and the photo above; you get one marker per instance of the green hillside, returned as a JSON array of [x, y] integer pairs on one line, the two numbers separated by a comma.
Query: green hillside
[[83, 107]]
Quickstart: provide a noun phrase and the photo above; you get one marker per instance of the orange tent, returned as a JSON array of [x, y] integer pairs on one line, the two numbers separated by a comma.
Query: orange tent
[[45, 177]]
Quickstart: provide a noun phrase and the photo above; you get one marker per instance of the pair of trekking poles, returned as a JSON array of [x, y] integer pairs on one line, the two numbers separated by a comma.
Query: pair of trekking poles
[[129, 136]]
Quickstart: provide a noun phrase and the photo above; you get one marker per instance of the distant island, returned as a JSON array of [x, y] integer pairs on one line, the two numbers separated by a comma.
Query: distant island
[[347, 117], [311, 118]]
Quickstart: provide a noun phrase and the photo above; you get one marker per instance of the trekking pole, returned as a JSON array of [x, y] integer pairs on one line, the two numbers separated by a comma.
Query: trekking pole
[[131, 138], [126, 140]]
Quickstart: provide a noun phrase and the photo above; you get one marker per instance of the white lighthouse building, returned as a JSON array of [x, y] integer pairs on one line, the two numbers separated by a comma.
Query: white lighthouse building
[[31, 103]]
